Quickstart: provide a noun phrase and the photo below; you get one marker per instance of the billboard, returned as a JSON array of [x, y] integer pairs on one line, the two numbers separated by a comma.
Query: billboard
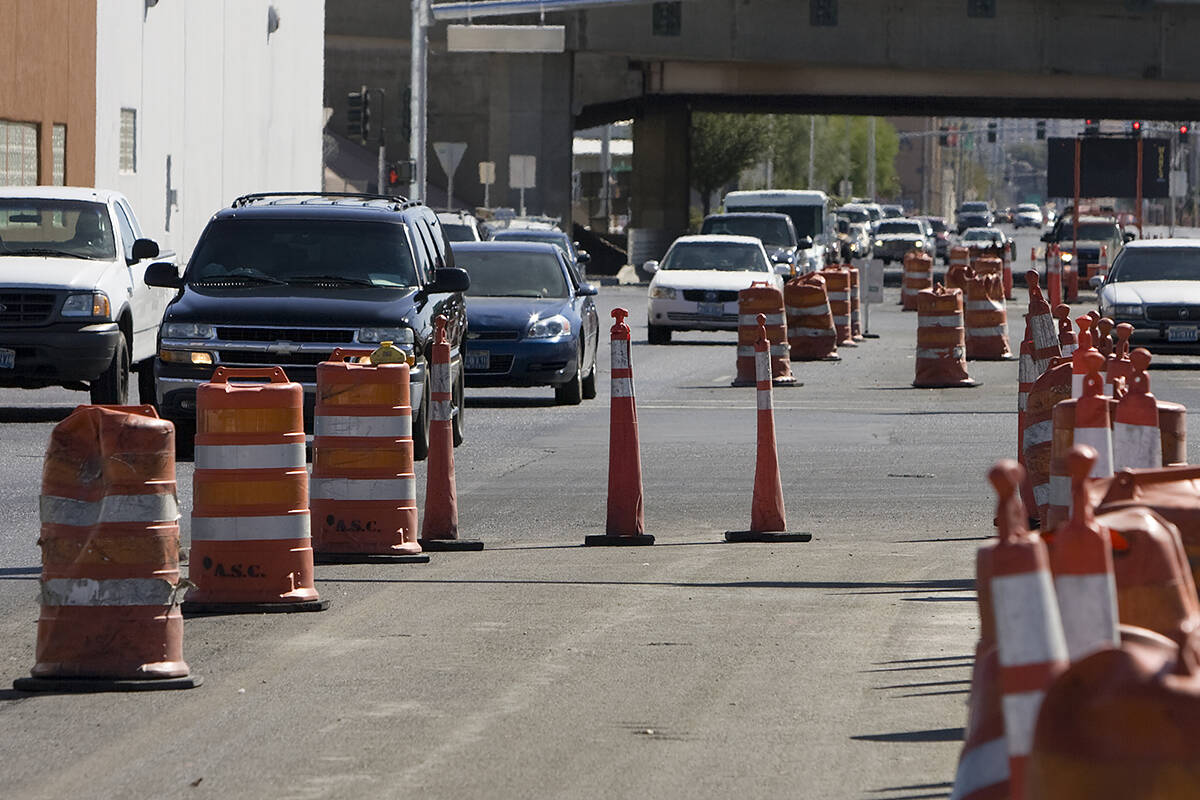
[[1108, 167]]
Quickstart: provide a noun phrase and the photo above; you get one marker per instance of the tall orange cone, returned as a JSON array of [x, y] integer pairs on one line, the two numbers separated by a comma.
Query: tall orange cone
[[767, 519], [1136, 439], [439, 528], [1041, 326], [626, 524]]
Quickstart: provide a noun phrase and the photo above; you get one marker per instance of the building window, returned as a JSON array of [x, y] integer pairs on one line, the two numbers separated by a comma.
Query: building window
[[128, 162], [18, 153], [58, 154]]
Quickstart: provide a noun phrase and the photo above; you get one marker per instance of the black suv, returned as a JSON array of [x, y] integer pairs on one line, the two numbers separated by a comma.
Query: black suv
[[281, 279]]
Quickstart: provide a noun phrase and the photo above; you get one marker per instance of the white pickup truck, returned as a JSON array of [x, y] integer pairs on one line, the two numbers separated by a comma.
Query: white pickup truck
[[74, 308]]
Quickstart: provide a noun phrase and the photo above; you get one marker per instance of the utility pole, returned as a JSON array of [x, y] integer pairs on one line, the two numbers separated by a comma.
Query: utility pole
[[418, 76], [812, 143], [871, 158]]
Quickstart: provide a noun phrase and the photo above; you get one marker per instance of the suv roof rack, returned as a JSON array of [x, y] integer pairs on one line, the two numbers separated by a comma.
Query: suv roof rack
[[306, 197]]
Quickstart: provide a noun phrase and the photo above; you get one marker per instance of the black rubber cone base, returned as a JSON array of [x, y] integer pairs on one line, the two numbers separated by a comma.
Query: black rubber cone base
[[766, 536], [370, 558], [451, 545], [969, 383], [607, 540], [86, 685], [214, 609], [791, 381]]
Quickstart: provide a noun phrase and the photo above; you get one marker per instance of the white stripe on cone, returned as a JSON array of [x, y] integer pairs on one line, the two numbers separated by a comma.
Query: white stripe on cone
[[1136, 446], [441, 410], [983, 305], [363, 489], [939, 321], [112, 508], [252, 456], [942, 352], [807, 311], [622, 387], [1060, 490], [231, 529], [394, 426], [1039, 433], [111, 592], [981, 766], [1041, 494], [1076, 385], [1020, 717], [987, 332], [620, 353], [1101, 440], [748, 350], [440, 377], [1026, 633], [1089, 612]]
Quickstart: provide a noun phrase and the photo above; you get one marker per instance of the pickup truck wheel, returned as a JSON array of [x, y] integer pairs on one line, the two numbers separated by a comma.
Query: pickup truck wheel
[[146, 385], [420, 434], [571, 392], [112, 387], [458, 422]]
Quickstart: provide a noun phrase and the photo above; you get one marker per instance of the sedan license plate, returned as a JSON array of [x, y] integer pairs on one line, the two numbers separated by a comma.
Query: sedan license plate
[[710, 309], [8, 359], [478, 359], [1182, 333]]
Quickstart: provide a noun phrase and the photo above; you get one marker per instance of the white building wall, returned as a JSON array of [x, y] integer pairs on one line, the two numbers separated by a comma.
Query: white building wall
[[234, 109]]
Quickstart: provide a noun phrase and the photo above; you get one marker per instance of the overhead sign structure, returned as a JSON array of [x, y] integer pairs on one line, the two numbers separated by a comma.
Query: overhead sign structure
[[1108, 167], [449, 154], [522, 174], [506, 38]]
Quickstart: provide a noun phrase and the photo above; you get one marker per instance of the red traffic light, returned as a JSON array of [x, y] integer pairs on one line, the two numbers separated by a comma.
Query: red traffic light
[[1183, 129], [1137, 126], [393, 176]]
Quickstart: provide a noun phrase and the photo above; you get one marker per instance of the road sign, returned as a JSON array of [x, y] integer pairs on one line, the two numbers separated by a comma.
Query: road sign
[[522, 172], [506, 38], [1179, 183], [449, 154], [487, 172]]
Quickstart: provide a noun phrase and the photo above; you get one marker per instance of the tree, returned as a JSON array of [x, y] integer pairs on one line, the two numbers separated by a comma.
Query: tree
[[722, 146]]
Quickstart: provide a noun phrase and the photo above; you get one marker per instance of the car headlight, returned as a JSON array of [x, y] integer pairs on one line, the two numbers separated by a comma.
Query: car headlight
[[879, 242], [398, 336], [558, 325], [91, 304], [188, 330], [1127, 310], [1066, 258], [194, 357], [918, 244], [662, 293]]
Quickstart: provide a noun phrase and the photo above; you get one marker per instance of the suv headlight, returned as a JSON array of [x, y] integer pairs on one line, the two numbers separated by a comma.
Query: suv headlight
[[398, 336], [188, 330], [1066, 258], [558, 325], [879, 242], [918, 244], [662, 293], [91, 304]]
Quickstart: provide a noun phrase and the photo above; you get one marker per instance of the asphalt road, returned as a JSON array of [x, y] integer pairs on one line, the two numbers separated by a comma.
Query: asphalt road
[[836, 668]]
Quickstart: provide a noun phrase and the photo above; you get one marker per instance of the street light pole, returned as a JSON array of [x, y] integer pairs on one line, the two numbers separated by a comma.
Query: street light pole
[[418, 77]]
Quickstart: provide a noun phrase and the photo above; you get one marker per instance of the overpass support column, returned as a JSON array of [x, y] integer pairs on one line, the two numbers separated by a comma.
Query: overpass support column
[[660, 193]]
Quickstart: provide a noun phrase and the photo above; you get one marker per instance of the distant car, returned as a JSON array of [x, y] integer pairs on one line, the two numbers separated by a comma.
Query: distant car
[[577, 259], [1154, 285], [1027, 215], [696, 286], [892, 211], [860, 240], [984, 238], [973, 214], [529, 321], [895, 237], [941, 237], [460, 226], [776, 231], [1083, 242]]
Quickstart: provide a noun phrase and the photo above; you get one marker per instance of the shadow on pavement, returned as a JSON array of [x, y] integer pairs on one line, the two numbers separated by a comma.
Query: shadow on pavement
[[510, 402], [936, 735], [888, 588], [7, 695], [19, 573], [34, 413], [925, 787]]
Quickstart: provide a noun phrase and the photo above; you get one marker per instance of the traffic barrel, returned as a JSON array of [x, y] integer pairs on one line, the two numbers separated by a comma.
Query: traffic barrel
[[918, 276], [251, 546], [986, 320], [1081, 361], [837, 282], [363, 490], [957, 275], [762, 298], [941, 340], [1068, 432], [1029, 635], [1170, 492], [1137, 441], [855, 303], [625, 524], [768, 521], [1051, 388], [959, 256], [989, 265], [1041, 325], [110, 585], [982, 772], [439, 528], [811, 334], [1082, 561], [1067, 340]]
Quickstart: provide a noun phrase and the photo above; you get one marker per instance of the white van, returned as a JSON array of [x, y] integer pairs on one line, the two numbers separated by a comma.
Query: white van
[[809, 211]]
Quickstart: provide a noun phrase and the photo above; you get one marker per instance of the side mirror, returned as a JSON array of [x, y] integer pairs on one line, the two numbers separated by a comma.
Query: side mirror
[[145, 248], [587, 290], [650, 267], [583, 256], [1129, 237], [1096, 281], [447, 280], [162, 274], [806, 243]]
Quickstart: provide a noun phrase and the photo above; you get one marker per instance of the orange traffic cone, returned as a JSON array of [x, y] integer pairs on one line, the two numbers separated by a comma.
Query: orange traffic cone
[[1054, 276], [110, 585], [1137, 441], [1067, 341], [626, 523], [983, 763], [439, 529], [767, 520], [1041, 326]]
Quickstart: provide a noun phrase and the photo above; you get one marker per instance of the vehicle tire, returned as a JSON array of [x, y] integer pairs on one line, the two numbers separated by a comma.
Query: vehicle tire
[[145, 383], [589, 383], [420, 435], [185, 439], [571, 392], [458, 422], [658, 334], [112, 387]]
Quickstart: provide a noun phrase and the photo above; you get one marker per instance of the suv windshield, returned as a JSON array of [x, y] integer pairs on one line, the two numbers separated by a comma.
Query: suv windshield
[[771, 230], [500, 273], [974, 208], [556, 238], [723, 256], [807, 220], [854, 214], [66, 228], [303, 251], [1156, 264], [937, 223], [981, 235], [897, 226], [1089, 232]]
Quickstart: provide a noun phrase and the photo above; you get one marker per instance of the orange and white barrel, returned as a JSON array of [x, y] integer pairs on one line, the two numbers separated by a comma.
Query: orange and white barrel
[[1054, 285], [837, 283], [363, 489], [986, 321], [1051, 388], [1137, 439], [811, 333], [1029, 636], [918, 276], [110, 583], [762, 298], [960, 256], [957, 275], [251, 545], [989, 265], [941, 340], [855, 303], [1041, 325]]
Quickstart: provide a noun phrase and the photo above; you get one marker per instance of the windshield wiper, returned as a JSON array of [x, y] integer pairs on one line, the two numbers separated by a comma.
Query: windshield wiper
[[342, 279], [242, 278], [43, 251]]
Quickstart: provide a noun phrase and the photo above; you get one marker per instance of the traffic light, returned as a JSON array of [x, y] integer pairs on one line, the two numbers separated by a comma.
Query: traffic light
[[358, 114], [991, 131], [1091, 127], [1183, 132], [1135, 128], [1041, 129]]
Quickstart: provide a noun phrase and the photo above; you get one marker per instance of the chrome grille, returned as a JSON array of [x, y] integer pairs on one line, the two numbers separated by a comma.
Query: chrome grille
[[249, 334], [1173, 313]]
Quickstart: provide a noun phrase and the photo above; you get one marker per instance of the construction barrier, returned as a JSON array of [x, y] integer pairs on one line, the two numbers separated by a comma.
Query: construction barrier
[[855, 303], [1170, 492], [918, 276], [110, 584], [363, 490], [1067, 340], [837, 283], [762, 298], [1051, 388], [957, 276], [625, 524], [986, 320], [1082, 420], [251, 549], [1137, 441], [768, 521], [941, 340], [1054, 275], [1082, 360], [439, 528], [982, 772], [811, 333], [1041, 326]]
